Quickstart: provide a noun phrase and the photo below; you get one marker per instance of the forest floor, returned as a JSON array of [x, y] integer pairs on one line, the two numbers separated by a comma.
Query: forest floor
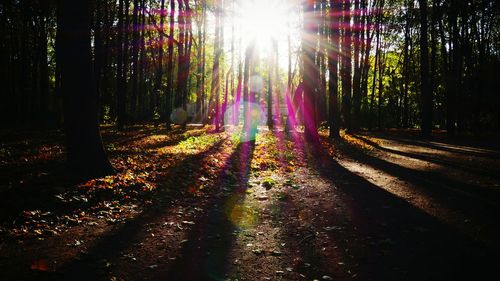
[[197, 205]]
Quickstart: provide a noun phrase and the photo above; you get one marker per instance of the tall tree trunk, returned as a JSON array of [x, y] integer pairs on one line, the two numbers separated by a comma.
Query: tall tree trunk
[[333, 80], [246, 79], [203, 64], [368, 34], [135, 60], [199, 73], [43, 61], [215, 89], [270, 98], [181, 49], [277, 81], [222, 61], [406, 66], [239, 87], [375, 68], [85, 152], [233, 92], [120, 75], [346, 65], [159, 68], [289, 76], [170, 67], [356, 83], [142, 64], [310, 79], [433, 27], [426, 94], [454, 77], [381, 69]]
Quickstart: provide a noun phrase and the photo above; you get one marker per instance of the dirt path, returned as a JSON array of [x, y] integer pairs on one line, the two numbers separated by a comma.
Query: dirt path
[[363, 208]]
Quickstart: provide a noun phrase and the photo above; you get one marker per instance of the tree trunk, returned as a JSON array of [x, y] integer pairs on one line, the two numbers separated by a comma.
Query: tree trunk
[[346, 66], [215, 89], [85, 152], [356, 83], [375, 68], [426, 94], [246, 77], [43, 62], [170, 67], [310, 79], [135, 60], [269, 98], [333, 71], [381, 69], [406, 66], [120, 75]]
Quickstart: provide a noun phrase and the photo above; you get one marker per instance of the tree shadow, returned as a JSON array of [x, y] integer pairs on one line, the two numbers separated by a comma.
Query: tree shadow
[[381, 236], [204, 254], [475, 200], [42, 182], [473, 147], [436, 160]]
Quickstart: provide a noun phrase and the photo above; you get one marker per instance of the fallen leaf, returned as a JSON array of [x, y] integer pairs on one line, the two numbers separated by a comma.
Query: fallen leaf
[[257, 251], [40, 265]]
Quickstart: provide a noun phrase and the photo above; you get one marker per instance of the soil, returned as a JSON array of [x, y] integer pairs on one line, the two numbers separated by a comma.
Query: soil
[[193, 204]]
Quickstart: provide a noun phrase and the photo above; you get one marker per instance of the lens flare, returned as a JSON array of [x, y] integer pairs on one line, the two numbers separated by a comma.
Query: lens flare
[[256, 83], [240, 214], [178, 116]]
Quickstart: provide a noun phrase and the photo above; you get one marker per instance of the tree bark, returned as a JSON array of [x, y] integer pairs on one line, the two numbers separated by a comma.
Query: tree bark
[[310, 77], [346, 66], [426, 94], [333, 78], [85, 152], [170, 67], [356, 83], [120, 74]]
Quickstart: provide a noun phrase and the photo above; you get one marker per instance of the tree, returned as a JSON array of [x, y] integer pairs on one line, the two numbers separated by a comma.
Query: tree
[[346, 65], [120, 68], [333, 79], [215, 89], [406, 65], [426, 94], [247, 122], [310, 77], [85, 152], [170, 67], [135, 59]]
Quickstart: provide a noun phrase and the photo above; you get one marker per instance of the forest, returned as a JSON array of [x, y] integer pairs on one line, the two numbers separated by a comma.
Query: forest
[[249, 139]]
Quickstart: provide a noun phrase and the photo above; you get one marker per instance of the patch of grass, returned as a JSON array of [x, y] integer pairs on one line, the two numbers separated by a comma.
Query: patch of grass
[[111, 147], [268, 183], [198, 143]]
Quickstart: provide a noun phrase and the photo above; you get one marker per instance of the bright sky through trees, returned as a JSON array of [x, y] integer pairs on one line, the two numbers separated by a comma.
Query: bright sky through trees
[[263, 21]]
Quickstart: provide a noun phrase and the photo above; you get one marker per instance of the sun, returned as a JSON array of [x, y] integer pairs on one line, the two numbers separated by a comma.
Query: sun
[[265, 22]]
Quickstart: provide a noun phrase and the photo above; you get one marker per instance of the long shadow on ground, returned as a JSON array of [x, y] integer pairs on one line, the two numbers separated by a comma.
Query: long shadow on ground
[[449, 161], [205, 255], [482, 205], [91, 265], [383, 237], [35, 186]]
